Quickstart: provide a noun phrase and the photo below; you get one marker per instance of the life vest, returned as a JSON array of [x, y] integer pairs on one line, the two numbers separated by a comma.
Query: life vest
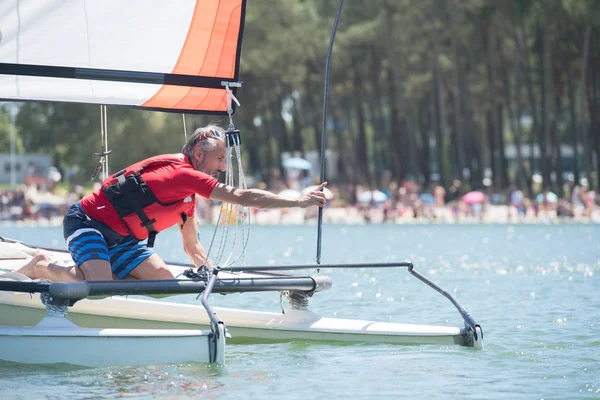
[[139, 209]]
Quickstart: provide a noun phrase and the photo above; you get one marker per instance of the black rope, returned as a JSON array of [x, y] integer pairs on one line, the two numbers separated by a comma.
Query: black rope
[[324, 135]]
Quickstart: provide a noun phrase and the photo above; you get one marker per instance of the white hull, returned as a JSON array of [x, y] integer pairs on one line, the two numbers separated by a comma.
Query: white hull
[[244, 326], [57, 340]]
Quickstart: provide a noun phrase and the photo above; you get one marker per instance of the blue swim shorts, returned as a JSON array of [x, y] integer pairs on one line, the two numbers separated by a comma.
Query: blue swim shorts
[[88, 239]]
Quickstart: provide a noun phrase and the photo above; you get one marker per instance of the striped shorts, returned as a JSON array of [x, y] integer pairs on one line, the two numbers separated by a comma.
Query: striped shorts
[[88, 239]]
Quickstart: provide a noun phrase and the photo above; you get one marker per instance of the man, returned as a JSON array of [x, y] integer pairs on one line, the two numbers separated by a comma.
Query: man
[[106, 229]]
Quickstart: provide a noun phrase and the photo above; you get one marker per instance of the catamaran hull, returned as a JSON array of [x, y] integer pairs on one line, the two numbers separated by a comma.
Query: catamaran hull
[[244, 326], [57, 340]]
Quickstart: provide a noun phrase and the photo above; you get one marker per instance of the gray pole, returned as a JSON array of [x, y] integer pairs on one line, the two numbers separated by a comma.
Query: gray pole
[[324, 134], [13, 157], [12, 111]]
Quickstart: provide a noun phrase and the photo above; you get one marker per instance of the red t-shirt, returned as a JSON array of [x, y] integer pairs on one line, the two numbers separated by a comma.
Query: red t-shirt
[[169, 182]]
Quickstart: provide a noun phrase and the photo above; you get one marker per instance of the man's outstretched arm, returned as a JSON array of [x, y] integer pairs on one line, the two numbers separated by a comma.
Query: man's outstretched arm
[[257, 198]]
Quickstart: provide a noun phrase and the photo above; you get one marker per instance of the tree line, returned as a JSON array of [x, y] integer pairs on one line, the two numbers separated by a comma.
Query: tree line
[[425, 89]]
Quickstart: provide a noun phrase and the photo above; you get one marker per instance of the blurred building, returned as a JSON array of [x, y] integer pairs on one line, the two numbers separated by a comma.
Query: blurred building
[[567, 155], [25, 165]]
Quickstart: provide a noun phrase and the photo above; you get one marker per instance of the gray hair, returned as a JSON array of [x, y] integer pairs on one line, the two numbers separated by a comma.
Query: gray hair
[[209, 143]]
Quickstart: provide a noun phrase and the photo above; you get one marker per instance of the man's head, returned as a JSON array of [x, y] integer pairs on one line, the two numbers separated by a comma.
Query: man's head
[[207, 151]]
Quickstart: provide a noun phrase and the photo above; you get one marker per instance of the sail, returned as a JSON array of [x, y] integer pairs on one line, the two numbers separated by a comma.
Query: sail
[[170, 55]]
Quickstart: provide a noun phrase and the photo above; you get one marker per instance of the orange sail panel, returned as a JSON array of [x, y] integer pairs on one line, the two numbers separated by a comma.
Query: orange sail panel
[[210, 49], [155, 54]]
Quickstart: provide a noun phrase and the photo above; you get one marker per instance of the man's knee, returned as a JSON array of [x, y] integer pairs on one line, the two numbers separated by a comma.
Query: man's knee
[[151, 274], [151, 269], [164, 273], [96, 270]]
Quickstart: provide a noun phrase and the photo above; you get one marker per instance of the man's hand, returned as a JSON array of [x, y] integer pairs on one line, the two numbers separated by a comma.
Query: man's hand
[[314, 198]]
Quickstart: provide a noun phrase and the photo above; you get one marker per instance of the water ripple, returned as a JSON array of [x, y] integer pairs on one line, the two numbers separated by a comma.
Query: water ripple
[[533, 288]]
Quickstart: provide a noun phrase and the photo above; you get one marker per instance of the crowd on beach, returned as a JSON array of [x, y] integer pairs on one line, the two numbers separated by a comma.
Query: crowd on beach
[[408, 202], [34, 202], [392, 202]]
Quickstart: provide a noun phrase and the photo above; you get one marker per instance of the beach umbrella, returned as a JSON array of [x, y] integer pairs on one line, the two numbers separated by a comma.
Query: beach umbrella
[[550, 197], [473, 197], [54, 174], [328, 193], [297, 163], [375, 195], [291, 193]]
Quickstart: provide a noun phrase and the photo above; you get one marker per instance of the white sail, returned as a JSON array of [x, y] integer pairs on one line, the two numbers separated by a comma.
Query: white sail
[[155, 54]]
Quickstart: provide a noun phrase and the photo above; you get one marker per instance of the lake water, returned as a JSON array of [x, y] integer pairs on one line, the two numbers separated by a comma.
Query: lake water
[[534, 289]]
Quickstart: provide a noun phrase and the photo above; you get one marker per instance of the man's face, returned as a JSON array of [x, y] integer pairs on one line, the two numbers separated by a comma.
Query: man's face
[[212, 162]]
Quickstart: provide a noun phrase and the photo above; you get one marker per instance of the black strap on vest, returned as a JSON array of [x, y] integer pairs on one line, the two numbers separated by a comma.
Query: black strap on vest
[[128, 186], [183, 219], [131, 194]]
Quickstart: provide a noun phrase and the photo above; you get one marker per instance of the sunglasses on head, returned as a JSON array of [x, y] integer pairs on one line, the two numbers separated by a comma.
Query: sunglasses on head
[[212, 132], [207, 134]]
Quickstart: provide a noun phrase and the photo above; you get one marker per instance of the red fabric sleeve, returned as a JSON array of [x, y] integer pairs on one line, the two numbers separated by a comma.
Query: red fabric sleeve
[[188, 179], [174, 182], [192, 210]]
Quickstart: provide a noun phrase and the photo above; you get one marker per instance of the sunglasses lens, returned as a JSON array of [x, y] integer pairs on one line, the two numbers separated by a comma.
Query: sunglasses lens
[[212, 132]]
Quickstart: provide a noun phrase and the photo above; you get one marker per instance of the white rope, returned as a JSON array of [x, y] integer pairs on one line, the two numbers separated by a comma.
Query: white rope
[[243, 213], [242, 216], [102, 165], [227, 211], [184, 129], [230, 98], [104, 141]]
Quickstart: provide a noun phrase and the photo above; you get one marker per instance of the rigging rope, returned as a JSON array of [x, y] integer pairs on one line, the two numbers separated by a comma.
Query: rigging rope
[[184, 129], [324, 136], [103, 162], [242, 215], [105, 145]]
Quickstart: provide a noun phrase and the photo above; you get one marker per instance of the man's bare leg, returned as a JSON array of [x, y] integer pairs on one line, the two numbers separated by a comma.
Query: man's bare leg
[[29, 268], [152, 268], [40, 267], [96, 270]]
